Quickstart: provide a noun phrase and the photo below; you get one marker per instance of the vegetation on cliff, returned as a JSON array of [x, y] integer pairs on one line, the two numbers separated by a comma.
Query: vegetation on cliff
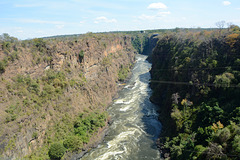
[[196, 81], [54, 92]]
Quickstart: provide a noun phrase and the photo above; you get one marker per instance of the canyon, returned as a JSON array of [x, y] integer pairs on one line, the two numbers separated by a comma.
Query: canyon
[[70, 75]]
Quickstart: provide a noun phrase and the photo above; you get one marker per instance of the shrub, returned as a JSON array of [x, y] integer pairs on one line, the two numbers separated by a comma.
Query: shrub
[[13, 56], [56, 151], [198, 151], [34, 135], [223, 80], [123, 73], [6, 46], [81, 55], [107, 61], [73, 143], [236, 143], [87, 124], [2, 67], [40, 44], [34, 87], [223, 135], [48, 89]]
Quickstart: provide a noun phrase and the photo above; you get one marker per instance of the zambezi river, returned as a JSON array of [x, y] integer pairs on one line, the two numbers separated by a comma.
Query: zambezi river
[[135, 126]]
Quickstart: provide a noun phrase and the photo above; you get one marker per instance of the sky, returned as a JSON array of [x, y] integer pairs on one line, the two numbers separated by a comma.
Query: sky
[[26, 19]]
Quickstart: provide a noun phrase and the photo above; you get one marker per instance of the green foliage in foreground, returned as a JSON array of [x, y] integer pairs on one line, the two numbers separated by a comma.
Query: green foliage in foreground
[[70, 135], [83, 128], [73, 132], [73, 143], [86, 125], [56, 151]]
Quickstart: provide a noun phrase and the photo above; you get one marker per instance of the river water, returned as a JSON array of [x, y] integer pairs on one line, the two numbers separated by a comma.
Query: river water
[[135, 125]]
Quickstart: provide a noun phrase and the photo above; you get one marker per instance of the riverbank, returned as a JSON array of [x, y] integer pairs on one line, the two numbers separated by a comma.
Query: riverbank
[[102, 132], [168, 128], [93, 143]]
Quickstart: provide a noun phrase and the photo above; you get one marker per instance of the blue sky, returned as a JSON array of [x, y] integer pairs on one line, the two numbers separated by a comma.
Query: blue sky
[[38, 18]]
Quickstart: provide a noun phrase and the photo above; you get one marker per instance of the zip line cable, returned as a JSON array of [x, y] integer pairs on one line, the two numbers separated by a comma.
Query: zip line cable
[[194, 84], [196, 69], [187, 150]]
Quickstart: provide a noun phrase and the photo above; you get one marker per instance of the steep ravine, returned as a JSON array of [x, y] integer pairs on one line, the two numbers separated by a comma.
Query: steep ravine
[[70, 75]]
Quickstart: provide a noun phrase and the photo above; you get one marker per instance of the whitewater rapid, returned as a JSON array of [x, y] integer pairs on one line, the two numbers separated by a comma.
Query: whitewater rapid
[[135, 126]]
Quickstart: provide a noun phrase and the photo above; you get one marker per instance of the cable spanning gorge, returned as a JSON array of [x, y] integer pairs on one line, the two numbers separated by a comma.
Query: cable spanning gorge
[[135, 127]]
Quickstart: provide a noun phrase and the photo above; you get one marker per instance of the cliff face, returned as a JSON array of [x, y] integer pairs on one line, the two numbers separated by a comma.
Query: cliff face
[[150, 44], [195, 80], [45, 84]]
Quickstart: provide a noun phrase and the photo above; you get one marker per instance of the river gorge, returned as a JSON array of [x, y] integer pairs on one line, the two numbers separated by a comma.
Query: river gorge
[[135, 124]]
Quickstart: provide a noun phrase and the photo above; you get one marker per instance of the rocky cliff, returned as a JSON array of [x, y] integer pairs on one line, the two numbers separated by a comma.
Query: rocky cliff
[[150, 44], [195, 81], [46, 83]]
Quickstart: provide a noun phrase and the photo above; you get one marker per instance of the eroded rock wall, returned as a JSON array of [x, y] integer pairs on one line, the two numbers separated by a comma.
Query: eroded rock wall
[[90, 63]]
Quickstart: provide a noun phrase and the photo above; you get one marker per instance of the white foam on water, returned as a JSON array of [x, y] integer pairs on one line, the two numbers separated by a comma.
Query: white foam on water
[[143, 86], [120, 101], [154, 112], [136, 84], [151, 112], [127, 86], [148, 89], [131, 86], [127, 102], [140, 129], [139, 59], [123, 136], [108, 154], [113, 146], [132, 119], [143, 90], [130, 101], [125, 108], [128, 128]]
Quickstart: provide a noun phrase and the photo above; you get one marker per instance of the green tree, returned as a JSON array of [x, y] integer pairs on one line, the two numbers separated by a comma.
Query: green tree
[[56, 151], [73, 143], [223, 80], [81, 56], [2, 67], [236, 144]]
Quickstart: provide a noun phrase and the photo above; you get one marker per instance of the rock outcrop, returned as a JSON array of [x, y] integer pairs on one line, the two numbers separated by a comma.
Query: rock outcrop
[[86, 80]]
